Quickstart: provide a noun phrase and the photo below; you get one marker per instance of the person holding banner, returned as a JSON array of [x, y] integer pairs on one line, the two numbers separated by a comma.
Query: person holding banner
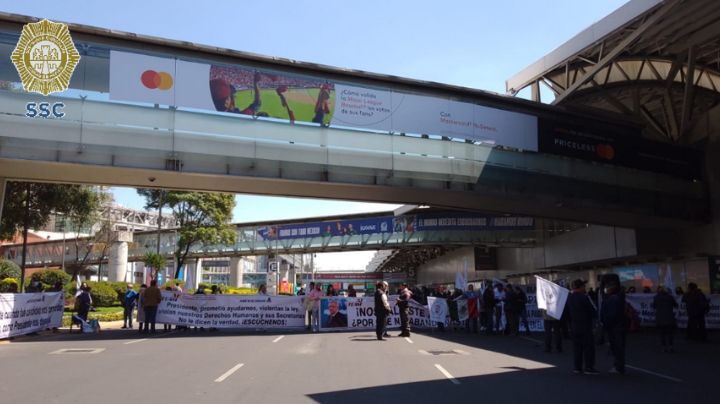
[[314, 297], [665, 305], [382, 310], [615, 324]]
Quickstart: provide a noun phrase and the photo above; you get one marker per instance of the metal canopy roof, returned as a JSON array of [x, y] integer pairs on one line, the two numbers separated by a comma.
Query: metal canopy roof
[[658, 61]]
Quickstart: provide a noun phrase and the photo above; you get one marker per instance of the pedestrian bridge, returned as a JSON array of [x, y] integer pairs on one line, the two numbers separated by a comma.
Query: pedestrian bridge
[[438, 145], [351, 233]]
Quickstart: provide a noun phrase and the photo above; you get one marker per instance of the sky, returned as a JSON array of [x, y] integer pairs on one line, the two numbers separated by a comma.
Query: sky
[[471, 43]]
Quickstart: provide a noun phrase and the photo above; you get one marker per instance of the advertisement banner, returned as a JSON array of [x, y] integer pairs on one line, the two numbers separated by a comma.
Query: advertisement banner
[[23, 313], [618, 145], [358, 313], [301, 98], [398, 224], [642, 304], [232, 311]]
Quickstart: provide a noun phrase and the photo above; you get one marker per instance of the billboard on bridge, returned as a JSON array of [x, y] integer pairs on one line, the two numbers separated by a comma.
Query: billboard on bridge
[[298, 98]]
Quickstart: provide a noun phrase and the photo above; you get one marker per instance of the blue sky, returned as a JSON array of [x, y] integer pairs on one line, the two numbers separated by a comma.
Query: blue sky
[[470, 43]]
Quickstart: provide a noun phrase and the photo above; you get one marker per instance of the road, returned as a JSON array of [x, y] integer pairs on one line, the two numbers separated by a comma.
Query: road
[[350, 367]]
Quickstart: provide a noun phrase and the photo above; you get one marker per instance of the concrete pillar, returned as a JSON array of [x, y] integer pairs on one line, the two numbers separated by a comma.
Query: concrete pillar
[[237, 270], [117, 261], [2, 194], [193, 271], [118, 256]]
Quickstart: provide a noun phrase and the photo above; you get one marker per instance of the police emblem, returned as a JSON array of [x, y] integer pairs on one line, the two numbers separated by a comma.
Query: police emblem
[[45, 57]]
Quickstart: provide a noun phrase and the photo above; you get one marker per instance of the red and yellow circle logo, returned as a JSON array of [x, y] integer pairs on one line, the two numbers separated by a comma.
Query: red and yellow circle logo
[[156, 80]]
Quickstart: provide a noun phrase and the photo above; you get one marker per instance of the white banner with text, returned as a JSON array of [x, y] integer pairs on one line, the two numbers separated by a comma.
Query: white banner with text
[[23, 313]]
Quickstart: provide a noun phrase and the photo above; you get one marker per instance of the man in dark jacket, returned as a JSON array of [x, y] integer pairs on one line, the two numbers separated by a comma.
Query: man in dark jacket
[[582, 313], [665, 305], [511, 311], [615, 324], [488, 308], [697, 307]]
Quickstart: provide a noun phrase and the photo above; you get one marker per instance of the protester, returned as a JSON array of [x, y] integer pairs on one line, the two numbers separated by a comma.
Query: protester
[[83, 303], [615, 324], [665, 305], [553, 332], [141, 307], [499, 303], [301, 291], [129, 300], [403, 303], [262, 290], [315, 297], [697, 307], [511, 311], [582, 313], [487, 309], [331, 291], [308, 302], [166, 327], [351, 291], [151, 301], [521, 308], [471, 324], [382, 310]]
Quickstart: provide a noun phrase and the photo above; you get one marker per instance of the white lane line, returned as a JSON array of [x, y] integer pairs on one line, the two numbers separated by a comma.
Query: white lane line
[[674, 379], [447, 374], [409, 340], [278, 338], [229, 372], [134, 341]]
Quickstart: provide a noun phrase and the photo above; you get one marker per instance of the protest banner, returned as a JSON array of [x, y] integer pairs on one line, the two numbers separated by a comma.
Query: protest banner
[[360, 314], [642, 303], [232, 311], [23, 313]]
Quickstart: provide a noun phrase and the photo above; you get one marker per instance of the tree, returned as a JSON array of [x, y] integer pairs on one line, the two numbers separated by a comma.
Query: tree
[[9, 269], [203, 218], [86, 214], [30, 205], [156, 262]]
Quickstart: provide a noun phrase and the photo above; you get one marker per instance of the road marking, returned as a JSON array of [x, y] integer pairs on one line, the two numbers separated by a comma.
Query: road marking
[[447, 374], [278, 338], [674, 379], [409, 340], [229, 372], [77, 351], [134, 341]]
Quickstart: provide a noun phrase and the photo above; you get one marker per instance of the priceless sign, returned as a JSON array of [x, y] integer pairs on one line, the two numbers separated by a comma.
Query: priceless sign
[[45, 57], [23, 313]]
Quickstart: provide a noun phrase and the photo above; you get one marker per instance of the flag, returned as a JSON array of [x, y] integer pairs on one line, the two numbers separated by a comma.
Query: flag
[[438, 308], [551, 297], [472, 307], [462, 307], [669, 285], [461, 279]]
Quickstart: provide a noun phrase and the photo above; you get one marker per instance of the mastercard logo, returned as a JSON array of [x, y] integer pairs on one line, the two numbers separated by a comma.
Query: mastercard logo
[[156, 80]]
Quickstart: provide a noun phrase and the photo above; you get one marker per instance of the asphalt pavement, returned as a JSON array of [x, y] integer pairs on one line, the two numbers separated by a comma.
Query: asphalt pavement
[[122, 366]]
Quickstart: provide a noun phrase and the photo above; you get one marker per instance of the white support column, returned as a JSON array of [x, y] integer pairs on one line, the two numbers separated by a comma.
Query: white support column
[[236, 272], [3, 181], [118, 257], [117, 261], [193, 269]]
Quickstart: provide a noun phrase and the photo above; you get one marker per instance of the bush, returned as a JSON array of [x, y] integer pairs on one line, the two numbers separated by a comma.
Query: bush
[[171, 283], [241, 291], [9, 269], [103, 294], [48, 277], [6, 285]]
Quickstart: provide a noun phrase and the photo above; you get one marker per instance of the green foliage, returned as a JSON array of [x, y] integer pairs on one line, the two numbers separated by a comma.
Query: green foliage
[[8, 269], [6, 285], [103, 294], [173, 282], [77, 202], [48, 277], [203, 218]]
